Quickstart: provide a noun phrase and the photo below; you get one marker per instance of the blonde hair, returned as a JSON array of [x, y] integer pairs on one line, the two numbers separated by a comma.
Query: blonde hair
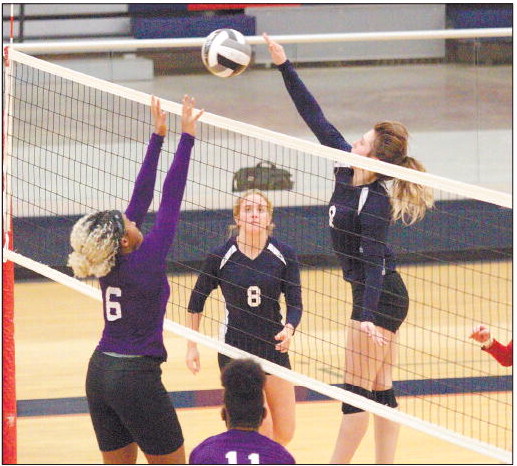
[[409, 201], [233, 230], [95, 240]]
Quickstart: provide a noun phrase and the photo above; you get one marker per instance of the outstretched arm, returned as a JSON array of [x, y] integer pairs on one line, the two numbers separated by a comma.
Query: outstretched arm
[[162, 234], [144, 184], [305, 103], [503, 354]]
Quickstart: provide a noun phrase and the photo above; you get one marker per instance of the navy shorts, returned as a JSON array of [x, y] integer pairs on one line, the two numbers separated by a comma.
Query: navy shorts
[[393, 302], [282, 359], [263, 347], [128, 403]]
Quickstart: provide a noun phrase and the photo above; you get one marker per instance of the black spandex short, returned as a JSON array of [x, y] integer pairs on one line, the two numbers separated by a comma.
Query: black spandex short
[[282, 360], [263, 347], [393, 302], [128, 403]]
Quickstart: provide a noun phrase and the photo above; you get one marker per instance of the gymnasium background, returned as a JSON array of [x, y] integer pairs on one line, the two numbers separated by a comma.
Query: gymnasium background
[[169, 74]]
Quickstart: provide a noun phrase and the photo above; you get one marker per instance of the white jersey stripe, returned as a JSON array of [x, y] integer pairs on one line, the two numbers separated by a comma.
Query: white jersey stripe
[[227, 256], [223, 326], [362, 199], [276, 252]]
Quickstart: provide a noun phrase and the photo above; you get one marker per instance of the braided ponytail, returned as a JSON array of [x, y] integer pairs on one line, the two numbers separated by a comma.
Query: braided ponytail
[[95, 240]]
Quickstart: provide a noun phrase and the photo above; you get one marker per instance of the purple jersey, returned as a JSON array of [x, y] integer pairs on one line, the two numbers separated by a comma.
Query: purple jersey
[[136, 290], [240, 447]]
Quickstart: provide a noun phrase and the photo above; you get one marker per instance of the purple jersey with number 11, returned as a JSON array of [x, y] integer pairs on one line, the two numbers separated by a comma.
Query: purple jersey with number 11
[[240, 447]]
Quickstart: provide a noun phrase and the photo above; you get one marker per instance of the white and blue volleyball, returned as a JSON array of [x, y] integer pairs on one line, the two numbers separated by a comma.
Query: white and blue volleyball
[[225, 53]]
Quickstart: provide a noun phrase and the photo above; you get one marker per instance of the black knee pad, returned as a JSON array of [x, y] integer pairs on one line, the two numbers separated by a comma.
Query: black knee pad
[[385, 397], [350, 409]]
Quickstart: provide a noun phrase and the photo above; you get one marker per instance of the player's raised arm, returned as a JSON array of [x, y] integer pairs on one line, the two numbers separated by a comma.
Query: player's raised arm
[[164, 229], [143, 190]]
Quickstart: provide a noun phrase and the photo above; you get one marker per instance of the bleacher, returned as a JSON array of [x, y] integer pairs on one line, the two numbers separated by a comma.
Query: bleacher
[[481, 15], [65, 22]]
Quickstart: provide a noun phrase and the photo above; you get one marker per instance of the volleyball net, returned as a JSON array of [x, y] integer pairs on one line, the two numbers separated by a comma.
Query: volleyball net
[[74, 144]]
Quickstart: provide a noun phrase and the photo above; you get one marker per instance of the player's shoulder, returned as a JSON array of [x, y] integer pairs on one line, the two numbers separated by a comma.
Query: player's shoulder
[[276, 452], [378, 200], [208, 445], [221, 250], [276, 246]]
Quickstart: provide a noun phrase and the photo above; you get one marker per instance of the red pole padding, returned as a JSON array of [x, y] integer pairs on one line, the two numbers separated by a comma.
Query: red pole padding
[[9, 449], [8, 365]]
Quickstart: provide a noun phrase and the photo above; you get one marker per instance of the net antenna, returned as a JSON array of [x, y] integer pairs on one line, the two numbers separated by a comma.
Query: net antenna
[[66, 125]]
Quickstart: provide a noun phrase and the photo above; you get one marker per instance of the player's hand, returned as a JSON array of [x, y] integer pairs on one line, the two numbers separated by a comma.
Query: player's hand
[[371, 330], [188, 118], [480, 333], [159, 117], [276, 50], [192, 359], [284, 337]]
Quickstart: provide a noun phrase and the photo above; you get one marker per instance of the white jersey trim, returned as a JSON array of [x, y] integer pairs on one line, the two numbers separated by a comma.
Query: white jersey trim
[[276, 252], [227, 256], [223, 326], [362, 199]]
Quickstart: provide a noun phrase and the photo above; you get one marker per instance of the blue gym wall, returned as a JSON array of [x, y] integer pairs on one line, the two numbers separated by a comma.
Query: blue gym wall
[[463, 230]]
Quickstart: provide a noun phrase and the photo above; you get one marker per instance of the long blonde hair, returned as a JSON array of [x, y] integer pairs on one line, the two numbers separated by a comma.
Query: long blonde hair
[[409, 201], [95, 240], [233, 230]]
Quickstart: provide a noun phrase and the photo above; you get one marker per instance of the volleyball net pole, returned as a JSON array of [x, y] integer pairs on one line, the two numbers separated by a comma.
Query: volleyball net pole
[[9, 411]]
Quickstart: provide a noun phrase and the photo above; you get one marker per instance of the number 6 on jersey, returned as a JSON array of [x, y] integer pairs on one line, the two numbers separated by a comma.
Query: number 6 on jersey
[[113, 308]]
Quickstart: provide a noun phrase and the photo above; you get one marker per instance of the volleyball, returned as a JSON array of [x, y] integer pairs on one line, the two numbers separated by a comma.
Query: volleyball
[[225, 53]]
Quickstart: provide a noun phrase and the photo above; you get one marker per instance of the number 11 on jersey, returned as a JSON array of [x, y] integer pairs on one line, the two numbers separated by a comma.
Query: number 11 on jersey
[[231, 456]]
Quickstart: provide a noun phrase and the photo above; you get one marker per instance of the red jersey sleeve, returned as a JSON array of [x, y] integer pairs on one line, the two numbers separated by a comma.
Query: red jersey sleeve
[[503, 354]]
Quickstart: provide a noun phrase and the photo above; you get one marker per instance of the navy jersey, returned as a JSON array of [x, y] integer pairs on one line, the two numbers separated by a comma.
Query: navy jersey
[[240, 447], [136, 290], [251, 289], [359, 216]]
